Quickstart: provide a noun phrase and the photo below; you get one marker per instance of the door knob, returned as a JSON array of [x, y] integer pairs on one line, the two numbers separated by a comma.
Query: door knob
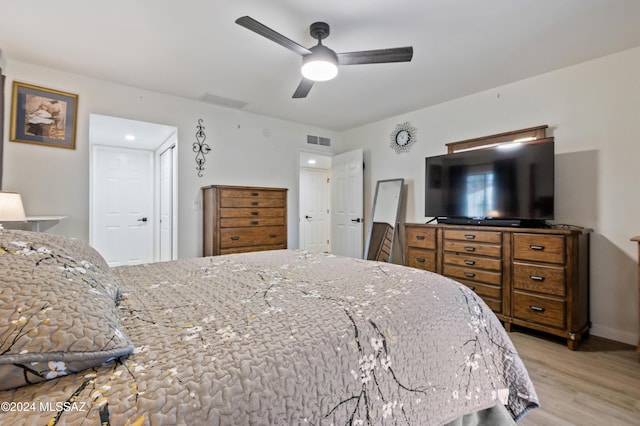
[[358, 220], [144, 219], [307, 217]]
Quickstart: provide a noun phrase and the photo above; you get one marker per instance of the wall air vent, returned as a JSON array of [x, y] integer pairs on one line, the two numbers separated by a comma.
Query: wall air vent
[[318, 140]]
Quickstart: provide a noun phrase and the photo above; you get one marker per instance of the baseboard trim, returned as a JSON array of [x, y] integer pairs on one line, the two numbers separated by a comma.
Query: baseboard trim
[[614, 334]]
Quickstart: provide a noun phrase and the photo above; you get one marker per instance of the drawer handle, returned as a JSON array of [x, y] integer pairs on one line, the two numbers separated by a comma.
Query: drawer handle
[[255, 222], [535, 308], [235, 238], [534, 247], [273, 235], [472, 288], [420, 237], [536, 278], [420, 259], [470, 236], [470, 248], [255, 203], [469, 274], [255, 213], [470, 262], [255, 194]]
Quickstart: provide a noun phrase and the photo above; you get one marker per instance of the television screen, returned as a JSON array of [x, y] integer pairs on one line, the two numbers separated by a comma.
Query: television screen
[[509, 182]]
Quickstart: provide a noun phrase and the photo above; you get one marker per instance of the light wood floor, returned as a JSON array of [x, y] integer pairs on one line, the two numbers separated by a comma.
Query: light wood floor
[[599, 384]]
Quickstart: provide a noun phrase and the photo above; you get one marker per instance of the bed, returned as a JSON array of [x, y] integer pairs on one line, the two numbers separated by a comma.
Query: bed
[[281, 337]]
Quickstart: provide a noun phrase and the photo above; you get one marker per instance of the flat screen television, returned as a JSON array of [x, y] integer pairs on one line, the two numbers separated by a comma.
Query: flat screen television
[[510, 185]]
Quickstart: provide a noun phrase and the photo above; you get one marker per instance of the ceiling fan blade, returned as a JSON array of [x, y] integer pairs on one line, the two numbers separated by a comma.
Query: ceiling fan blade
[[380, 56], [255, 26], [303, 88]]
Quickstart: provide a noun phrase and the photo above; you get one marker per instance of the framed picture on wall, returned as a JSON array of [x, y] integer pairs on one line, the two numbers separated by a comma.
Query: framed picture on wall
[[43, 116]]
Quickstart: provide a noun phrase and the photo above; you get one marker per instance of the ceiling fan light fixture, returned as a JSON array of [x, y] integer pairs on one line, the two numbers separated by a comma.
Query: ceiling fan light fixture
[[320, 65]]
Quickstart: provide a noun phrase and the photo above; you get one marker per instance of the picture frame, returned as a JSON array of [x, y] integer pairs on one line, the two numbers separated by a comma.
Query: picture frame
[[43, 116]]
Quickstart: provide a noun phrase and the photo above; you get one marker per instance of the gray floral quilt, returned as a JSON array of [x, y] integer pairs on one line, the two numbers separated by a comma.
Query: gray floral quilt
[[288, 338]]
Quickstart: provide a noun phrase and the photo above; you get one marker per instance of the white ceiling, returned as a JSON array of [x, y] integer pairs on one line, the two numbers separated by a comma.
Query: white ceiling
[[113, 131], [193, 48]]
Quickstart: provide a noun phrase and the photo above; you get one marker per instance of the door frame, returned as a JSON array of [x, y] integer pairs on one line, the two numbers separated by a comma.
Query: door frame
[[171, 143]]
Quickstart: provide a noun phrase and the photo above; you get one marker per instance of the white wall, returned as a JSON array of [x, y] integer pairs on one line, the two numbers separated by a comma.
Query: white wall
[[247, 149], [593, 111]]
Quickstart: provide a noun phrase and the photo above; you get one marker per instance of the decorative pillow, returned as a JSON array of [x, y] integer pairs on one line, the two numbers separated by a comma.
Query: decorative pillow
[[57, 308]]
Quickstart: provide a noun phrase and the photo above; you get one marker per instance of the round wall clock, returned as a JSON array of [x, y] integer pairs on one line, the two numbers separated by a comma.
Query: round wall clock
[[403, 137]]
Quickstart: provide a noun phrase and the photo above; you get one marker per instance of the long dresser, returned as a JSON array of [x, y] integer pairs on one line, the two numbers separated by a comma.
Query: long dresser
[[531, 277], [243, 218]]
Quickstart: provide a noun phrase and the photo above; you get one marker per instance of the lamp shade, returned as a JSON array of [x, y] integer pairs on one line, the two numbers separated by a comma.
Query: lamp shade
[[320, 65], [11, 209]]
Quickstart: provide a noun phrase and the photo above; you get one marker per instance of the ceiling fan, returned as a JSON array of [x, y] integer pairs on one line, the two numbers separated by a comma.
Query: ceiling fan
[[319, 63]]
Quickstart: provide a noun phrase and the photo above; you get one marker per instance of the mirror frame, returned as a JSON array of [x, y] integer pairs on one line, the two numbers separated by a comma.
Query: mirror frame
[[395, 224]]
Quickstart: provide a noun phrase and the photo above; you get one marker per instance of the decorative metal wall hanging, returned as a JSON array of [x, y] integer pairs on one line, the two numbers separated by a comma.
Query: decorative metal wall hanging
[[200, 148], [403, 137]]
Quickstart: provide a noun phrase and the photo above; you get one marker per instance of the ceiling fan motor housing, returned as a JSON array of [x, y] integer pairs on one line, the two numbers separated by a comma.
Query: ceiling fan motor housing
[[319, 30]]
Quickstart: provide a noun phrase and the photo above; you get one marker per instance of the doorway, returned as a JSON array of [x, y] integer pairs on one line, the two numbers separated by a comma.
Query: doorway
[[133, 190], [331, 203], [315, 202]]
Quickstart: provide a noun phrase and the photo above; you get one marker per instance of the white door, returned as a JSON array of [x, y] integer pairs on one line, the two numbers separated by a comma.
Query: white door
[[122, 205], [314, 210], [347, 218], [166, 205]]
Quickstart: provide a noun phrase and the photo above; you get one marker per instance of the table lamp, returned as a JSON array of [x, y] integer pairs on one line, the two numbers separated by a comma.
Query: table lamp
[[11, 209]]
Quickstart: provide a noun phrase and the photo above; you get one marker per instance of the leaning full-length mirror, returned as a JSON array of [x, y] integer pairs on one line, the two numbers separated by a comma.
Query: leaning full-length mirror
[[384, 220]]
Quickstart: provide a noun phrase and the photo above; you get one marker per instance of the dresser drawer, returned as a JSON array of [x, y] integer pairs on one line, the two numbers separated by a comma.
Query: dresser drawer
[[421, 258], [251, 202], [483, 290], [466, 260], [494, 304], [252, 193], [473, 248], [251, 212], [539, 279], [542, 310], [491, 295], [254, 236], [539, 248], [478, 236], [252, 248], [234, 222], [421, 237], [458, 272]]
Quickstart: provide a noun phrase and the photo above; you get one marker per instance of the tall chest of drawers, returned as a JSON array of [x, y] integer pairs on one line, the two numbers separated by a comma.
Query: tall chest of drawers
[[535, 278], [240, 219]]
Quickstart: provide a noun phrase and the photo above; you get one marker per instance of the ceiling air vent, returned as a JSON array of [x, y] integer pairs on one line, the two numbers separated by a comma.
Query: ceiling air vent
[[222, 101], [318, 140]]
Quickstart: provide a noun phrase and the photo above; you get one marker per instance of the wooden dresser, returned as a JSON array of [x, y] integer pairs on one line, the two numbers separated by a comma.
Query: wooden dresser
[[531, 277], [240, 219]]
